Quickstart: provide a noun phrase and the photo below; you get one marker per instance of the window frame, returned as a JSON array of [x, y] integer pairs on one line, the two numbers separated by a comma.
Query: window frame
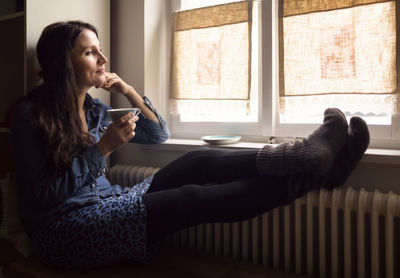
[[268, 125], [254, 131]]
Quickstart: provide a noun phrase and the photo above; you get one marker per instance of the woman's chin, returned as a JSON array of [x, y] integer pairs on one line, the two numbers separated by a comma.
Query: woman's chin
[[100, 81]]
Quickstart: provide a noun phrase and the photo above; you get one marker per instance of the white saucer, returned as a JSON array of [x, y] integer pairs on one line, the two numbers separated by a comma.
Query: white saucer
[[220, 139]]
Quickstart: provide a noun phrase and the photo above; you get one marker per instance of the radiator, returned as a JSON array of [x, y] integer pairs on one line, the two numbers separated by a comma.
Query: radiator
[[129, 175], [339, 233]]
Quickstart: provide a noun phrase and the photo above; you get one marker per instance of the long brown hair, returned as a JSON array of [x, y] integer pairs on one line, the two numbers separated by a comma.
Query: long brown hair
[[55, 109]]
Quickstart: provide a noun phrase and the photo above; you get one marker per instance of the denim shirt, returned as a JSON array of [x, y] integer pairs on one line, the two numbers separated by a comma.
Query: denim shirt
[[84, 182]]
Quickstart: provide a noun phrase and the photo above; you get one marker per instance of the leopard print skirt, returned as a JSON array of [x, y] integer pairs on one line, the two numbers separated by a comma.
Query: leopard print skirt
[[110, 231]]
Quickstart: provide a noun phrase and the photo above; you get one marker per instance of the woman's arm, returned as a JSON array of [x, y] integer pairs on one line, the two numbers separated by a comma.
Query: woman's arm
[[151, 127], [137, 101], [115, 84]]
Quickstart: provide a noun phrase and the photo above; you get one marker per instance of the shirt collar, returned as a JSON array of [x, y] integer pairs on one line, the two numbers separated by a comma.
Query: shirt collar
[[88, 103]]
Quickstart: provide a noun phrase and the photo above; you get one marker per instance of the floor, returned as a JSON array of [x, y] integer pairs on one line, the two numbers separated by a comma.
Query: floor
[[171, 262]]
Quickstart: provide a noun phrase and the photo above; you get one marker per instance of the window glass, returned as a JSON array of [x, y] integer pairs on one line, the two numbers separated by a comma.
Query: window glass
[[215, 62]]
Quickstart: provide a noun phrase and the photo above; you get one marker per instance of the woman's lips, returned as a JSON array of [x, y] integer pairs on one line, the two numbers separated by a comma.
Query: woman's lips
[[101, 70]]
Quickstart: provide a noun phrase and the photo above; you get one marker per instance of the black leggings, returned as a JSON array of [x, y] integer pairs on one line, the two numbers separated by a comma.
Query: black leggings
[[178, 196]]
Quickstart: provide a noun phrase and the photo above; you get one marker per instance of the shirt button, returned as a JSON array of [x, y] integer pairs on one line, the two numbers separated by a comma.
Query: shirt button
[[99, 174], [93, 185], [104, 170]]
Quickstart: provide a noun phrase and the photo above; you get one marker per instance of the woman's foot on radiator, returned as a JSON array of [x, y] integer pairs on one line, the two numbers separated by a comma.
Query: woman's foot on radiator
[[314, 155], [352, 152]]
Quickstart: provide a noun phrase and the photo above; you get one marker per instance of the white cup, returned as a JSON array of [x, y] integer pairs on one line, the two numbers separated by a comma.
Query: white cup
[[115, 114]]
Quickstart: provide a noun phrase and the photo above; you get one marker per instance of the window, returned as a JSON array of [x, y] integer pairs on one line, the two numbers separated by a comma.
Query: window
[[340, 54], [305, 56], [215, 67], [211, 68], [212, 63]]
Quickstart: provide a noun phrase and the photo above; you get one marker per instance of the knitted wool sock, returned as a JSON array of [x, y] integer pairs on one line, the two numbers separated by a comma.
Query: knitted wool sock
[[314, 155], [352, 152]]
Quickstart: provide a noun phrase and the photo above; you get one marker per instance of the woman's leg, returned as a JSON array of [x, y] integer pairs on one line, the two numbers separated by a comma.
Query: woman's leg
[[314, 155], [352, 152], [170, 210], [206, 165]]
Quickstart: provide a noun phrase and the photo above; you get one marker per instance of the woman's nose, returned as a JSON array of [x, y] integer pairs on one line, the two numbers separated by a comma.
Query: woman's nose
[[102, 59]]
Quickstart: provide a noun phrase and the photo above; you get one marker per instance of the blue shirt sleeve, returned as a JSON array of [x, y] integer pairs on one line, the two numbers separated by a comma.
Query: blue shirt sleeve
[[147, 131]]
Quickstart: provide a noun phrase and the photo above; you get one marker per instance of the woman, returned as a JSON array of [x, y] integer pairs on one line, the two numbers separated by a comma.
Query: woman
[[62, 138]]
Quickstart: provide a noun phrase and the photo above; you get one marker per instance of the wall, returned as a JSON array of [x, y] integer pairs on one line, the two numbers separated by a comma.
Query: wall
[[40, 13], [140, 53], [157, 52], [127, 52]]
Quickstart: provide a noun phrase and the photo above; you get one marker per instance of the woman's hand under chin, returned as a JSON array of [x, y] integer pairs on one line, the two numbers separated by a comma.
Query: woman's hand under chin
[[114, 84]]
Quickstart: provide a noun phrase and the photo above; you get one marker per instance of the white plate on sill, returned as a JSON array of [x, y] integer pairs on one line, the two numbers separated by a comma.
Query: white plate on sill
[[220, 139]]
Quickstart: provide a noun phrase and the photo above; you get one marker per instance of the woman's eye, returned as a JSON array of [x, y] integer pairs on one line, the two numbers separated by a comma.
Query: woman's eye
[[89, 52]]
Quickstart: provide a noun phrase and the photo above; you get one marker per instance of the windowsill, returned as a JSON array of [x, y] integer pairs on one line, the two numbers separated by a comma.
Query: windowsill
[[380, 156]]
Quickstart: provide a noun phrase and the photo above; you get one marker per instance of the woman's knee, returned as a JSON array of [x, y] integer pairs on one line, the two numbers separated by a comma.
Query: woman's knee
[[198, 155], [198, 152]]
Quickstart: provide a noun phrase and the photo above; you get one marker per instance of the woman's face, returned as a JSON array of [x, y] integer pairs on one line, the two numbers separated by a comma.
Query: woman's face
[[88, 61]]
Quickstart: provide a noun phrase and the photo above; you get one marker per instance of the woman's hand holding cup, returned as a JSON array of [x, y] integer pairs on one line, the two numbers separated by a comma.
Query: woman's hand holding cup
[[118, 134]]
